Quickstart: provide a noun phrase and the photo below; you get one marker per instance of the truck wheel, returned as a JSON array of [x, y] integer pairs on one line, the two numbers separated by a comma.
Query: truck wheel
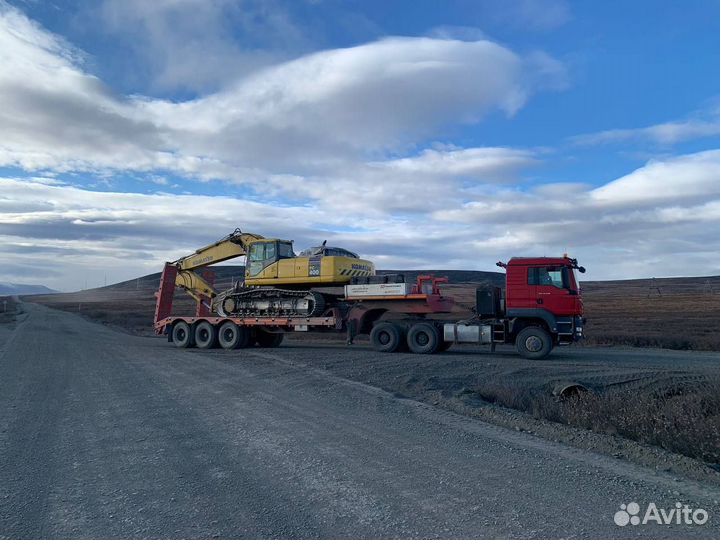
[[533, 342], [386, 337], [232, 336], [268, 339], [205, 335], [423, 338], [182, 335]]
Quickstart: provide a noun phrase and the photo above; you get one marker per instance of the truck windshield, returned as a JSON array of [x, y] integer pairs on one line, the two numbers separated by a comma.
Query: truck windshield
[[554, 276]]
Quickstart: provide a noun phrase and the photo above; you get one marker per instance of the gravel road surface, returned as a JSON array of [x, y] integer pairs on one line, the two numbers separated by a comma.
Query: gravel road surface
[[108, 435]]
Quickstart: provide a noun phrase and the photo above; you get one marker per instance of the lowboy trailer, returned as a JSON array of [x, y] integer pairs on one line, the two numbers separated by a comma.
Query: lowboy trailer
[[540, 308]]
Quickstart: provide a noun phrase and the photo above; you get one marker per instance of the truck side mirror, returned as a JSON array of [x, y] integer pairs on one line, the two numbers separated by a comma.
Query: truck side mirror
[[581, 269]]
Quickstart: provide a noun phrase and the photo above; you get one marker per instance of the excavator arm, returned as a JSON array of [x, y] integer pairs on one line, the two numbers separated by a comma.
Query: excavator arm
[[236, 244]]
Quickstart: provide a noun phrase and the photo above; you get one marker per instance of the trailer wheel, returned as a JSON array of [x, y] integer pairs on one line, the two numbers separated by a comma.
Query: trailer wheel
[[205, 335], [268, 339], [386, 337], [423, 338], [182, 335], [534, 343], [232, 336]]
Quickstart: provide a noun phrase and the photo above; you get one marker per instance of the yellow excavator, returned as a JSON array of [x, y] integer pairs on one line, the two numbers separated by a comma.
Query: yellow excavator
[[277, 281]]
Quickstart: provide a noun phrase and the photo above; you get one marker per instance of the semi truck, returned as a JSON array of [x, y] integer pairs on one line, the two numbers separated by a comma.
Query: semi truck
[[327, 289]]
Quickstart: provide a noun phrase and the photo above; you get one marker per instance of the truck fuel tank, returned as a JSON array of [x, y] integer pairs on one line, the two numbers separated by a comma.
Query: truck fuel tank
[[467, 333]]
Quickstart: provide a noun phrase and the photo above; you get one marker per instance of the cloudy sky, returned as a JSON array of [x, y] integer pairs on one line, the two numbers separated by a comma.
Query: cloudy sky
[[446, 134]]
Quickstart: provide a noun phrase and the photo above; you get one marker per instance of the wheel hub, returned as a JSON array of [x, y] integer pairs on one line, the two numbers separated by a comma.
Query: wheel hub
[[533, 344]]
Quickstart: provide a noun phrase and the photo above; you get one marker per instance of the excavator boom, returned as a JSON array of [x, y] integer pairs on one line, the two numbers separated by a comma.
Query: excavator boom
[[235, 244]]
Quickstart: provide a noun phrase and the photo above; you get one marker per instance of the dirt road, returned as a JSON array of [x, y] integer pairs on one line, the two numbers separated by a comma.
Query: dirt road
[[108, 435]]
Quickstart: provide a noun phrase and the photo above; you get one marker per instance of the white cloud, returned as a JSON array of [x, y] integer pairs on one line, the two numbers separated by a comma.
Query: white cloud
[[661, 219], [67, 233], [468, 162], [672, 234], [371, 97], [312, 127], [314, 116], [705, 124], [338, 141], [192, 45], [694, 177], [534, 14]]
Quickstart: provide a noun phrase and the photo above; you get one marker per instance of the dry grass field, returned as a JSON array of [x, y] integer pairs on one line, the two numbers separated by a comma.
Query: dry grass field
[[673, 313], [680, 416]]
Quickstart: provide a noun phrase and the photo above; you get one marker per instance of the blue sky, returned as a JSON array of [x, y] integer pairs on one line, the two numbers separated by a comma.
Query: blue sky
[[419, 134]]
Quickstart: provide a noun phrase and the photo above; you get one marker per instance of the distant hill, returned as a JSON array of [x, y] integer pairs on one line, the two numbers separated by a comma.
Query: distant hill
[[224, 276], [455, 276], [674, 313], [12, 289]]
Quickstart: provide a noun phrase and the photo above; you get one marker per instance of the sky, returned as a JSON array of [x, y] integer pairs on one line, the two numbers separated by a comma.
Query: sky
[[420, 134]]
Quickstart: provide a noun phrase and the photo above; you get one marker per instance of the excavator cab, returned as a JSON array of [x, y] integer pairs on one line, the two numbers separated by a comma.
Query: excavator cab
[[272, 262], [263, 253]]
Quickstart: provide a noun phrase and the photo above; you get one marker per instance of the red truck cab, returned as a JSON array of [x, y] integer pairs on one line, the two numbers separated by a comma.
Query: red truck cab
[[547, 283], [544, 292]]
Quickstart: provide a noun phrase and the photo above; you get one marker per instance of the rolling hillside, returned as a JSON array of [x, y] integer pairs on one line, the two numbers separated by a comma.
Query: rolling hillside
[[14, 289], [676, 313]]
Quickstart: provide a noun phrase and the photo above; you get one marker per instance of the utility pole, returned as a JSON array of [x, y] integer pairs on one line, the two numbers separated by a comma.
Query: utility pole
[[708, 288], [653, 288]]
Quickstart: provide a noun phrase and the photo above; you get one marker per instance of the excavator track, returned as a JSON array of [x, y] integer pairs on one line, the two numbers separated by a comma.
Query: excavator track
[[269, 302]]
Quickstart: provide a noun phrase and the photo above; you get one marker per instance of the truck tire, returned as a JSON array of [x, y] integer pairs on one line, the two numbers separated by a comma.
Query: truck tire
[[423, 338], [205, 335], [386, 337], [232, 336], [268, 340], [534, 343], [182, 335]]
